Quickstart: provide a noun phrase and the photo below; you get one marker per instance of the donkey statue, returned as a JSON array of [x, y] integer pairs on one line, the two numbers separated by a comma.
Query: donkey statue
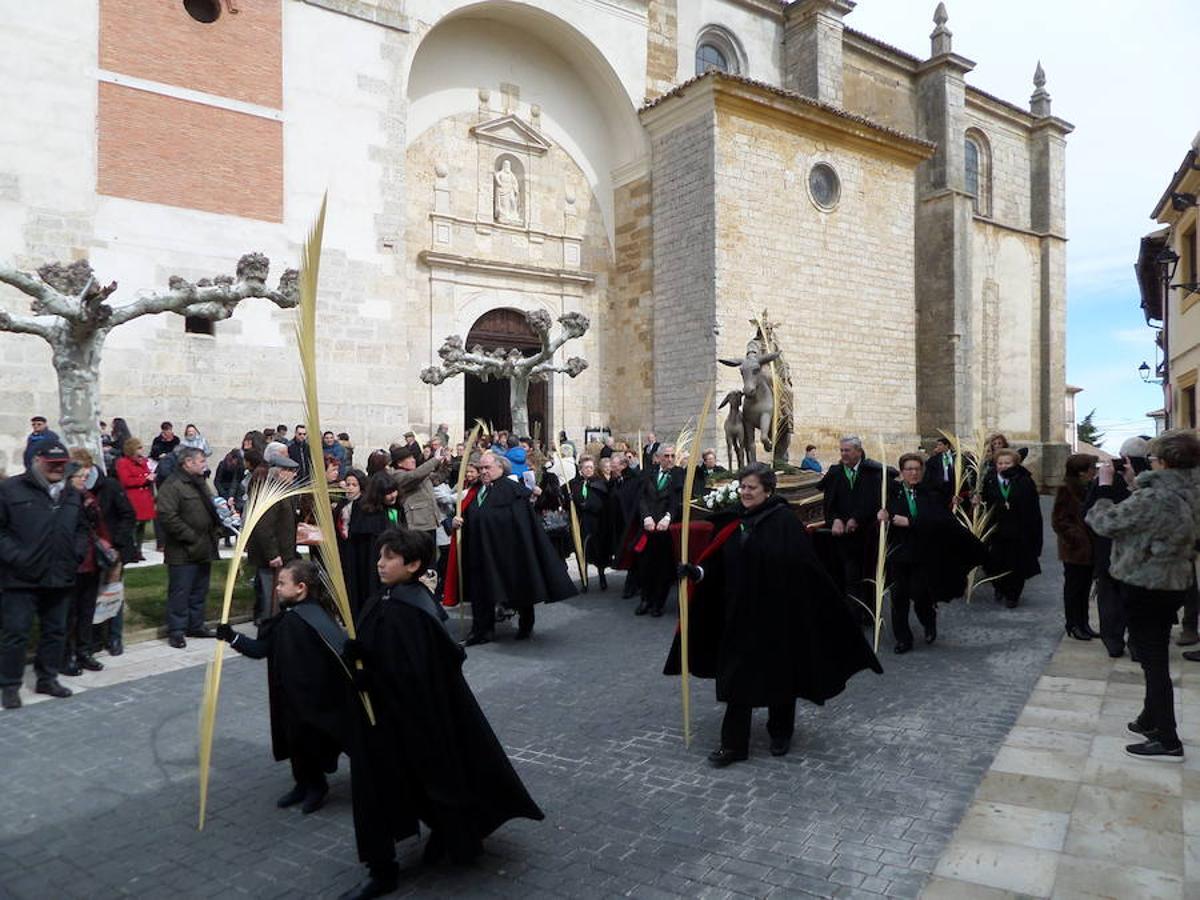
[[758, 403], [734, 442]]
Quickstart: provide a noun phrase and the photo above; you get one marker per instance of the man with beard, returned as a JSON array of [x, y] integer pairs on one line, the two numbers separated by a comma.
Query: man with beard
[[661, 504], [431, 755], [589, 493], [306, 681], [852, 498], [508, 559], [766, 621]]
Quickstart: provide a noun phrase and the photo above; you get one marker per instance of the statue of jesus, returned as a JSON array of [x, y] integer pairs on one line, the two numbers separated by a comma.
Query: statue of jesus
[[508, 191]]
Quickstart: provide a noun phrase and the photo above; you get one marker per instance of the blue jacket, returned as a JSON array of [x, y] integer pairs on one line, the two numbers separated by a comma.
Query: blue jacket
[[516, 456]]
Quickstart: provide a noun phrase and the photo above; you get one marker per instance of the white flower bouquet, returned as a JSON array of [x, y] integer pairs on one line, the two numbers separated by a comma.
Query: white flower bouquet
[[724, 497]]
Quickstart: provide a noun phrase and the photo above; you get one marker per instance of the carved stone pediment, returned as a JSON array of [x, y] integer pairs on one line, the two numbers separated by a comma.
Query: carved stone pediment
[[511, 133]]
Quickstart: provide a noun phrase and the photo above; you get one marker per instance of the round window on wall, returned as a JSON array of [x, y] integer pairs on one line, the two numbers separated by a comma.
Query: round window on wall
[[709, 57], [824, 186]]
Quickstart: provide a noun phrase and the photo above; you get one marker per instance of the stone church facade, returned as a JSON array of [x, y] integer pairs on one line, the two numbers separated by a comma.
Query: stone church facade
[[669, 168]]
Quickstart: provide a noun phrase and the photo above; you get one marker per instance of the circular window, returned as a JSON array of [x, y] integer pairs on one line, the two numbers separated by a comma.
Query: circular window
[[205, 11], [709, 57], [824, 186]]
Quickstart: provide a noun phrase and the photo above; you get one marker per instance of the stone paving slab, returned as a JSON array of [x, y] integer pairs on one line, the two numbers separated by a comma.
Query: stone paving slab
[[99, 795]]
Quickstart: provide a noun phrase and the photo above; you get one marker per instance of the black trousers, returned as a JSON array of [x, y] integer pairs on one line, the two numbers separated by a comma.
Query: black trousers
[[80, 611], [1077, 588], [850, 549], [1009, 586], [735, 727], [1111, 608], [908, 589], [483, 615], [187, 592], [16, 619], [657, 569], [1151, 614], [1191, 608], [306, 747]]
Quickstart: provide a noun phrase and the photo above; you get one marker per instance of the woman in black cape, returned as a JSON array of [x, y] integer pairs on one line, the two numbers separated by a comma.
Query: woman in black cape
[[1016, 541], [360, 518], [590, 494], [766, 621]]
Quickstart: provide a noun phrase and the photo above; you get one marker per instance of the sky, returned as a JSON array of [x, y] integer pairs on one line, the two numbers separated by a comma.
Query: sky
[[1123, 73]]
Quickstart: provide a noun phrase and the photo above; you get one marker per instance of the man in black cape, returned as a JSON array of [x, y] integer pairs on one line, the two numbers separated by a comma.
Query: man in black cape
[[852, 497], [661, 504], [930, 553], [625, 491], [307, 682], [508, 559], [431, 755], [766, 620], [590, 494]]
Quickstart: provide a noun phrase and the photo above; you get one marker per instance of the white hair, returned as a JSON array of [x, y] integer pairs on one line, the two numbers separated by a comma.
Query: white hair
[[851, 439]]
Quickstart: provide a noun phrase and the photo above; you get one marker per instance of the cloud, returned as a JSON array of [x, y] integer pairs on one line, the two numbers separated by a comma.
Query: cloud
[[1140, 337]]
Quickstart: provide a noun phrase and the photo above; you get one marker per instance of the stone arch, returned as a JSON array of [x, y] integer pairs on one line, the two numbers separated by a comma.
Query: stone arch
[[585, 107], [977, 156], [726, 43], [503, 327]]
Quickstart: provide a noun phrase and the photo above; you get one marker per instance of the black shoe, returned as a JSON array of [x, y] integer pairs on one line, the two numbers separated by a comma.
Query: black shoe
[[10, 697], [1078, 633], [657, 612], [201, 632], [1144, 730], [474, 640], [603, 582], [292, 797], [371, 887], [524, 634], [89, 662], [314, 799], [435, 849], [642, 609], [720, 758], [1088, 630], [902, 647], [53, 688], [1193, 655], [70, 668], [176, 640], [1114, 652], [628, 593], [1154, 749], [930, 634], [780, 746], [116, 647]]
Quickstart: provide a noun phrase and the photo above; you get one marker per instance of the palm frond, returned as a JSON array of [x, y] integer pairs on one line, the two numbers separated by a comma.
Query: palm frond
[[881, 553]]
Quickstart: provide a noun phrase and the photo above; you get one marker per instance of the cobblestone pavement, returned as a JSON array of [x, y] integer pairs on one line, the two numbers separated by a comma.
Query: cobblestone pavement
[[99, 791]]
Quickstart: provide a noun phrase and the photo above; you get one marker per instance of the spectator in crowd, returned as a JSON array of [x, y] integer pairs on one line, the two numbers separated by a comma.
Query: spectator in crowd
[[357, 531], [281, 435], [120, 520], [165, 442], [116, 444], [607, 447], [443, 434], [298, 451], [649, 451], [193, 438], [190, 526], [810, 462], [1154, 534], [41, 533], [97, 558], [133, 472], [39, 433], [416, 490], [347, 448], [272, 544], [1075, 544], [378, 461], [709, 467], [412, 444], [253, 440], [331, 447]]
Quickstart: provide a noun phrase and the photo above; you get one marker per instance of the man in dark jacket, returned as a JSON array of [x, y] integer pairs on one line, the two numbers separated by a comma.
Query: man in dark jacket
[[852, 497], [661, 504], [42, 542], [298, 451], [939, 468], [191, 528], [165, 442], [39, 433]]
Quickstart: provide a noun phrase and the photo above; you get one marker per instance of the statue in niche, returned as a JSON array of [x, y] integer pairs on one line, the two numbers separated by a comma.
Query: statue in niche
[[508, 195]]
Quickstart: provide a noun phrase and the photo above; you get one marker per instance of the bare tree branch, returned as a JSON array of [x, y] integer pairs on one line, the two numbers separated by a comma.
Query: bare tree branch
[[25, 325], [46, 300]]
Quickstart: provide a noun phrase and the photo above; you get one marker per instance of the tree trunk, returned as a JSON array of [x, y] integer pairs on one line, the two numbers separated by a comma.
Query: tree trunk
[[518, 399], [77, 363]]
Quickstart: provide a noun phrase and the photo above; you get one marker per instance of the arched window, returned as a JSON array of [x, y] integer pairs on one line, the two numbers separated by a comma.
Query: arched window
[[977, 159], [717, 49]]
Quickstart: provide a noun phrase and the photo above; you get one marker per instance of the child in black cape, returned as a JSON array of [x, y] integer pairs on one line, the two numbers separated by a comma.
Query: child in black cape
[[307, 681], [431, 756]]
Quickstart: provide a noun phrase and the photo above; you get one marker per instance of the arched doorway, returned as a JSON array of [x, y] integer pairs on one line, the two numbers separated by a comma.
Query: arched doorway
[[488, 400]]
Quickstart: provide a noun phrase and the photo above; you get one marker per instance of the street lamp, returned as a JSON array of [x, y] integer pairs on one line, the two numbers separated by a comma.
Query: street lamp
[[1144, 371]]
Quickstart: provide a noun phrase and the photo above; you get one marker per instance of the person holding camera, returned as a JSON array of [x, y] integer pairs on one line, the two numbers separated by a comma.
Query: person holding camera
[[1154, 535]]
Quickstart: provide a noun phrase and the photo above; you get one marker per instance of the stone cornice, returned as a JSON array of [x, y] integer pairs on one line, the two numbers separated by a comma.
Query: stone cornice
[[954, 61], [453, 261], [879, 51], [367, 12]]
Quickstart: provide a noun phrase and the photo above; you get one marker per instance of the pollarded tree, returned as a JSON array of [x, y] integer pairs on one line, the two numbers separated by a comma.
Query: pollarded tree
[[71, 313], [520, 370]]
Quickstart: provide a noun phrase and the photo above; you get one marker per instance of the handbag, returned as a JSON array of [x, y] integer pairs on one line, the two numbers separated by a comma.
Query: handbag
[[554, 521], [106, 555], [109, 601]]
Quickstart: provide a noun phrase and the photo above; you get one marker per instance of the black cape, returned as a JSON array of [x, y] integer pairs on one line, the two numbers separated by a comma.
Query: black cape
[[938, 550], [593, 514], [431, 756], [306, 684], [358, 553], [507, 552], [766, 621], [1016, 542]]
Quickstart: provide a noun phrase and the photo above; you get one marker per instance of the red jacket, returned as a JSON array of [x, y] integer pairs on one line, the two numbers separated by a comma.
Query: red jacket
[[134, 474]]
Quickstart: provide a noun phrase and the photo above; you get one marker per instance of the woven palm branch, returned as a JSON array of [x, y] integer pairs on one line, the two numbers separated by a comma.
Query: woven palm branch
[[881, 552], [261, 499]]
